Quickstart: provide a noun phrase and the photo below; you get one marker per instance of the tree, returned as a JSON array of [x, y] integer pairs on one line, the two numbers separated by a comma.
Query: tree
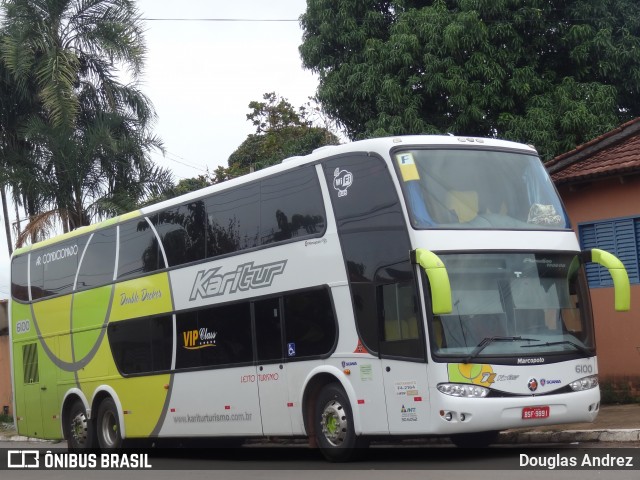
[[89, 137], [281, 132], [183, 187], [553, 73], [16, 174]]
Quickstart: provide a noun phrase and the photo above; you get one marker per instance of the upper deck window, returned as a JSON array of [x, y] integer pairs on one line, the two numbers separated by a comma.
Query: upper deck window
[[478, 189]]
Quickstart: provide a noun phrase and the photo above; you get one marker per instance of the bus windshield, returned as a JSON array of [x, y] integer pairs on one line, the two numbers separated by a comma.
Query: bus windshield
[[478, 189], [514, 304]]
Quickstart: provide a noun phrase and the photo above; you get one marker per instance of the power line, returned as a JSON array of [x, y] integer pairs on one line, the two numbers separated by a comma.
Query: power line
[[175, 19], [171, 157]]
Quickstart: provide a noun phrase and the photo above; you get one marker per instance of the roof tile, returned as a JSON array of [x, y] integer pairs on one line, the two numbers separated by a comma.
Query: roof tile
[[617, 159]]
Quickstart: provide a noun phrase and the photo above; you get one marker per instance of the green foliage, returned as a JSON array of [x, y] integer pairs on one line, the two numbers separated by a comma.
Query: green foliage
[[6, 418], [78, 141], [552, 73], [61, 43], [281, 132], [619, 391], [183, 187]]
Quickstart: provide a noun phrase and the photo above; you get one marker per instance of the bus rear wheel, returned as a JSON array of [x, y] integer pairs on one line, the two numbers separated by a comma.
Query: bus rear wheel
[[108, 425], [476, 439], [334, 428], [77, 428]]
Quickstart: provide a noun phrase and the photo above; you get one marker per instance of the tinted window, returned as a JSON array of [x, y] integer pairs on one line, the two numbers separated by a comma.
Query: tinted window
[[98, 261], [234, 220], [268, 329], [401, 331], [139, 252], [60, 264], [310, 324], [363, 193], [19, 286], [182, 231], [373, 234], [291, 206], [142, 345], [30, 363], [214, 336], [37, 276]]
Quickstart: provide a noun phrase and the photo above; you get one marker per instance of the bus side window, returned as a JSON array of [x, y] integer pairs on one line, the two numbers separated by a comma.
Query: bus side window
[[233, 220], [214, 336], [400, 329], [19, 286], [61, 265], [142, 345], [98, 261], [290, 206], [373, 234], [139, 251], [310, 325], [268, 327], [399, 312], [182, 230]]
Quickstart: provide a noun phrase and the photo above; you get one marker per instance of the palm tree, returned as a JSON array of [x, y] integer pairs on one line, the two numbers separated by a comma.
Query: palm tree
[[65, 43], [15, 152], [91, 135]]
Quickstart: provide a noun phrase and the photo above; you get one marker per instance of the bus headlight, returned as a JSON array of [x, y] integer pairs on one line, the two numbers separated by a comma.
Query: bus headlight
[[462, 390], [584, 383]]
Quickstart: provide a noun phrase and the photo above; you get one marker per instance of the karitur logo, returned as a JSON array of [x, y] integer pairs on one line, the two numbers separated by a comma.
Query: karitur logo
[[210, 283]]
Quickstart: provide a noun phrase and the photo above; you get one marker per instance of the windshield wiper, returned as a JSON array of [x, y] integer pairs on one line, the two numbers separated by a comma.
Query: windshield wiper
[[585, 351], [489, 340]]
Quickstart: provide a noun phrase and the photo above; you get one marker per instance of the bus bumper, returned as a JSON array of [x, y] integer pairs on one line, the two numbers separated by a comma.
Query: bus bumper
[[452, 415]]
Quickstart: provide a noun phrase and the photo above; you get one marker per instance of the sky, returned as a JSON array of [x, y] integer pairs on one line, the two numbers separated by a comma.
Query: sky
[[201, 73]]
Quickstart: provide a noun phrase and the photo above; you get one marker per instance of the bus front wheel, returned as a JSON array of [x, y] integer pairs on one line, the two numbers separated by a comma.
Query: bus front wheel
[[108, 425], [334, 428]]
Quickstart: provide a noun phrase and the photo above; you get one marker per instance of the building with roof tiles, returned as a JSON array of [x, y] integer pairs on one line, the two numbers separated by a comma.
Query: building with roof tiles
[[599, 183]]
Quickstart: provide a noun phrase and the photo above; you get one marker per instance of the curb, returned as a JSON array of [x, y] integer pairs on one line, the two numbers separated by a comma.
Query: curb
[[570, 436]]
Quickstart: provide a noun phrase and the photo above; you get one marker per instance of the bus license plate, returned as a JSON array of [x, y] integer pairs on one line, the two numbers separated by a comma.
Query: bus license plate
[[533, 413]]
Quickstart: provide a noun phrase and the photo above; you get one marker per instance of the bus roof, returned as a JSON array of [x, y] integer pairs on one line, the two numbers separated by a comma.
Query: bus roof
[[383, 144]]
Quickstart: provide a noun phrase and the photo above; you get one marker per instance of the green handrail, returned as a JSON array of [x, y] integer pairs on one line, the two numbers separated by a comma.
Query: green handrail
[[438, 280], [621, 286]]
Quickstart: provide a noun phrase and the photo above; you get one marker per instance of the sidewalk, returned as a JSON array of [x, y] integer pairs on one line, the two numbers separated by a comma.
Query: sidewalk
[[615, 423]]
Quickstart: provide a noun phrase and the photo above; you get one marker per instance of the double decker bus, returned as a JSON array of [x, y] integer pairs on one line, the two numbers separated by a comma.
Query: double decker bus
[[409, 286]]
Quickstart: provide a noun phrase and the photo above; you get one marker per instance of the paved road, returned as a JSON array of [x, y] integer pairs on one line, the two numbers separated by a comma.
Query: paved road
[[298, 463]]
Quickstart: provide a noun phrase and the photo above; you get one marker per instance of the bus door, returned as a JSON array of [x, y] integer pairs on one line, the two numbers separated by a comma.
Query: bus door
[[402, 356], [41, 408], [271, 369]]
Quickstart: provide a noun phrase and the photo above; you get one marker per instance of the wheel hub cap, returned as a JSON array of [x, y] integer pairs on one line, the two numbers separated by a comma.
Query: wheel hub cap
[[334, 423]]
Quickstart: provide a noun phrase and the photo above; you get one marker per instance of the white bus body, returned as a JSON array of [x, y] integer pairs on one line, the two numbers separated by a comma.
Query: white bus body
[[429, 312]]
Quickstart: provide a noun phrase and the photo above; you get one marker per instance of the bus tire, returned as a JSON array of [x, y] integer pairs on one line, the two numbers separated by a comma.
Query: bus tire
[[476, 439], [335, 434], [78, 429], [108, 425]]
